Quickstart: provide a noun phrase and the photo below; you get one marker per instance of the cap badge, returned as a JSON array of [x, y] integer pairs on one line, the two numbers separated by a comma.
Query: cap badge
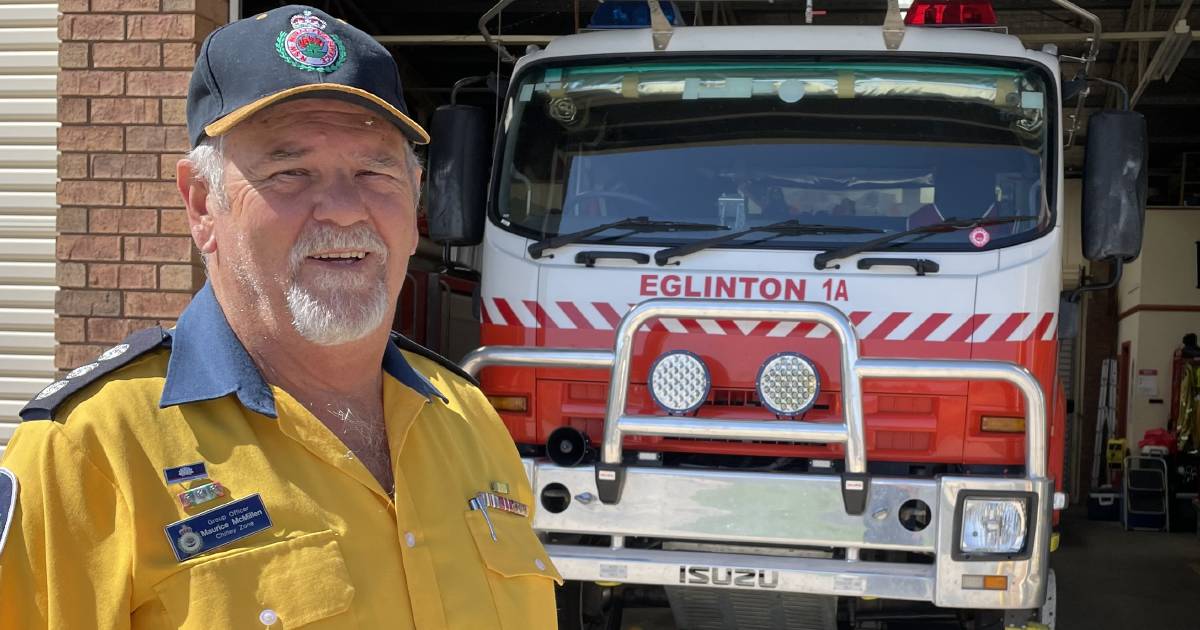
[[308, 47]]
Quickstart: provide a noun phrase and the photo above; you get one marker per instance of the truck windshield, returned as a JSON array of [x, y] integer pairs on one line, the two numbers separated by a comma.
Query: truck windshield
[[880, 146]]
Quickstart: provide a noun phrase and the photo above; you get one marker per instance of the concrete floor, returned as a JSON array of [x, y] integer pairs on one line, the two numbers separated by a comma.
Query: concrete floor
[[1108, 579]]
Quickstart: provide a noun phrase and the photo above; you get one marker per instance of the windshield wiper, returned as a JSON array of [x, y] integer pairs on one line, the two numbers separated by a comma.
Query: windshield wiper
[[782, 228], [636, 224], [821, 261]]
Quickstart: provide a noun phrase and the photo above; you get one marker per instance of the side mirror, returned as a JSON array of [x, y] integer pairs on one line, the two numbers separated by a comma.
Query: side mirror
[[1068, 315], [458, 172], [1114, 185]]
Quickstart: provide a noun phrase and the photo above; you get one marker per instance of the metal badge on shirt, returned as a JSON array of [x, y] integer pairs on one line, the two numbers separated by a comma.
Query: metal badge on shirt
[[504, 504], [8, 503], [202, 494], [484, 501], [180, 474], [217, 527]]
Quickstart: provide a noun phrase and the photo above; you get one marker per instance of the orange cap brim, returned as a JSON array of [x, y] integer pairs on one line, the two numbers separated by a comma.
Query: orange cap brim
[[222, 125]]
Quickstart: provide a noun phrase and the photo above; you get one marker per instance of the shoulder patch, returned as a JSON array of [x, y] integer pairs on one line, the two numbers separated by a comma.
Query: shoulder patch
[[8, 503], [43, 404], [404, 343]]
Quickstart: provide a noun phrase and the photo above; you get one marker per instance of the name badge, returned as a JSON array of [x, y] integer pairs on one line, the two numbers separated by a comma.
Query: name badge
[[217, 527], [180, 474]]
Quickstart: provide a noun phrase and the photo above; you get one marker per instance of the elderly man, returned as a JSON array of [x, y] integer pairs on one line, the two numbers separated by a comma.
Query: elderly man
[[279, 459]]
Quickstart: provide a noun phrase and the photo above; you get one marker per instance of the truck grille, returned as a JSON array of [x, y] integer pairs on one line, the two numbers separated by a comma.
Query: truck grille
[[728, 609], [723, 397]]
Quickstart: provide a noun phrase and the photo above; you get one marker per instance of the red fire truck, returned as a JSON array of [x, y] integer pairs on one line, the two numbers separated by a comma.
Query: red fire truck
[[772, 312]]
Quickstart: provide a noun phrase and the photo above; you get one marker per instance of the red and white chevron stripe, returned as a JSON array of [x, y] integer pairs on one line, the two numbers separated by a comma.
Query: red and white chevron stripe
[[898, 326]]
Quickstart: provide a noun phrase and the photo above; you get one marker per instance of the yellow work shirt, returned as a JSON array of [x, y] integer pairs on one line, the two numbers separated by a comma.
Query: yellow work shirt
[[89, 545]]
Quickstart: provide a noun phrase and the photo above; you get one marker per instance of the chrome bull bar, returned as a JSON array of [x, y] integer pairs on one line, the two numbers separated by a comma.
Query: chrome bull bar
[[853, 370], [713, 505]]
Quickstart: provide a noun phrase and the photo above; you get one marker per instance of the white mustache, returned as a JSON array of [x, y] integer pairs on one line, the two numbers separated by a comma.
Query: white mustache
[[323, 237]]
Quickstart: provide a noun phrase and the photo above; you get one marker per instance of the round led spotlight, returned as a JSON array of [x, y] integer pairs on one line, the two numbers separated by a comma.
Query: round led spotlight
[[788, 384], [679, 382]]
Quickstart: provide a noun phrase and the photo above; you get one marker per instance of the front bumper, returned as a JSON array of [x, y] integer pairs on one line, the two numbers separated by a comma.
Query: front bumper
[[729, 511], [782, 511]]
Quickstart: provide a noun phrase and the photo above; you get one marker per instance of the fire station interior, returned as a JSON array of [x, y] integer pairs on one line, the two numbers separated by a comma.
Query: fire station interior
[[1128, 550]]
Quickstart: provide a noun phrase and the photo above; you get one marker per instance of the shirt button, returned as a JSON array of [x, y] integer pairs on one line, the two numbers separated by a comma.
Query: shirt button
[[268, 617], [539, 564], [410, 540], [349, 454]]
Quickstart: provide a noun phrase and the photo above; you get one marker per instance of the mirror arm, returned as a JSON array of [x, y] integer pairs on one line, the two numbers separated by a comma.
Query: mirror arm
[[1088, 60], [1120, 87], [464, 82], [496, 44], [1118, 267], [454, 268]]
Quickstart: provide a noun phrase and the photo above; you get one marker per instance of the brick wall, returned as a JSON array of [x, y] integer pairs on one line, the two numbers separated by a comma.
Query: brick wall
[[125, 260]]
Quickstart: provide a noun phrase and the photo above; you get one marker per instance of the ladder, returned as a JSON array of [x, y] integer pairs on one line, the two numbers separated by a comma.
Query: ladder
[[1106, 418], [1147, 501]]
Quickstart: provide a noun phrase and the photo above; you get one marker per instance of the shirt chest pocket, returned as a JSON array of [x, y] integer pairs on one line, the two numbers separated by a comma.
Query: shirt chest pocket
[[519, 572], [294, 583]]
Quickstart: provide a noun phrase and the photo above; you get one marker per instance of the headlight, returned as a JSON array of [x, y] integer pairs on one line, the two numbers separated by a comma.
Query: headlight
[[993, 525], [679, 382], [788, 384]]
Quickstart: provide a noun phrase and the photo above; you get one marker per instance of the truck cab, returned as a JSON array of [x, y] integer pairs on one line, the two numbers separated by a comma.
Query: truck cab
[[772, 314]]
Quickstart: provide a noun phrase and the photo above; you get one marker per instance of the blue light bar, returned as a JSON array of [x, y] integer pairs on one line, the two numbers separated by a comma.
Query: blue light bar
[[631, 14]]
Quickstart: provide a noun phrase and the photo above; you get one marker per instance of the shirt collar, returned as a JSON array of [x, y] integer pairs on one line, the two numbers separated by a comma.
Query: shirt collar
[[208, 361], [400, 369]]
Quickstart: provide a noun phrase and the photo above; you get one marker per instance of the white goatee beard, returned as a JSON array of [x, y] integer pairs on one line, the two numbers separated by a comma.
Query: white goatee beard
[[338, 308]]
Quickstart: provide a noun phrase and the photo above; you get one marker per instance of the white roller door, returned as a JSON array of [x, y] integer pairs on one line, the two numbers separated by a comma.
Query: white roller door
[[28, 157]]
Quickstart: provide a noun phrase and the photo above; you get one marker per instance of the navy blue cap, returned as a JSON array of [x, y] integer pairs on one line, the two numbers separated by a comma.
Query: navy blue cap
[[291, 52]]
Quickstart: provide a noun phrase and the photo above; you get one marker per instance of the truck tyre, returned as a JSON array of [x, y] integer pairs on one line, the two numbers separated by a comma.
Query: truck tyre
[[588, 606]]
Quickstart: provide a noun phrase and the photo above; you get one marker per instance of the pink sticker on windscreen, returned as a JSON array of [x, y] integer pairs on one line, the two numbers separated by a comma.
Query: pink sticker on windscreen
[[979, 237]]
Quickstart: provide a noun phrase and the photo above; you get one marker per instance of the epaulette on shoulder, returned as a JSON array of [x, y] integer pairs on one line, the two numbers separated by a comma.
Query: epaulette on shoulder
[[44, 403], [404, 343]]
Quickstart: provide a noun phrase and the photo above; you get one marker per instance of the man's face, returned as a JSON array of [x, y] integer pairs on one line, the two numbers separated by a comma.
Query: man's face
[[319, 218]]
